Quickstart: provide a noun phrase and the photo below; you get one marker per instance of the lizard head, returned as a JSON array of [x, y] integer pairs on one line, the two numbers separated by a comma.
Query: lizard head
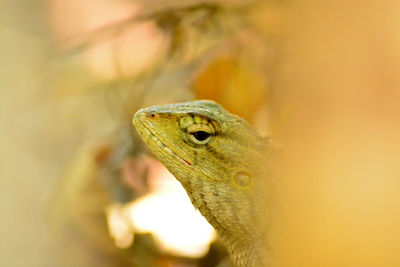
[[217, 156]]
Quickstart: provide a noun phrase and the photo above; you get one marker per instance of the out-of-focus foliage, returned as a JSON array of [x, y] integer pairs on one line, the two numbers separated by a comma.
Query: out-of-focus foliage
[[184, 41]]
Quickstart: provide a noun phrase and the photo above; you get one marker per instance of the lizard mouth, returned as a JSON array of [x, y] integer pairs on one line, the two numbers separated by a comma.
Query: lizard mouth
[[152, 139]]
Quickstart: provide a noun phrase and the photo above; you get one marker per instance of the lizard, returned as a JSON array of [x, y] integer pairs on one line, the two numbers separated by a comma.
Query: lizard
[[224, 166]]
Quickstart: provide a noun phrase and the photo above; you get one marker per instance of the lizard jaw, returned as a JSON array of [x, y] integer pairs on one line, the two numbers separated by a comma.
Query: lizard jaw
[[152, 139]]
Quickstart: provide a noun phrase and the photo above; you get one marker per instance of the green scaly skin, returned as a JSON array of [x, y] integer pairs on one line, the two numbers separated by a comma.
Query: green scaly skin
[[226, 173]]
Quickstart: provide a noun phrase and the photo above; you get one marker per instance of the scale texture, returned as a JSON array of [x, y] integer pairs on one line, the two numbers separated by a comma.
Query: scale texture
[[224, 166]]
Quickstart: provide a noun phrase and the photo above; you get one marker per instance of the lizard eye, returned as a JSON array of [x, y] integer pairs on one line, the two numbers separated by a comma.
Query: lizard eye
[[199, 130], [201, 136]]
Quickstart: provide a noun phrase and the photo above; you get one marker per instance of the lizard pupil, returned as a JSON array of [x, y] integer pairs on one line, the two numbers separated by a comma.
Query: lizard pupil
[[201, 135]]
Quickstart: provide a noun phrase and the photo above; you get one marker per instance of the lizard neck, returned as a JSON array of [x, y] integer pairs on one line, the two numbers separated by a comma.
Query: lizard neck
[[245, 253], [245, 243]]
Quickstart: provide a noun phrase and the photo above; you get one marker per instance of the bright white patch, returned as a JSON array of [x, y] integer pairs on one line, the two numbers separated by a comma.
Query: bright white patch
[[119, 226], [168, 214]]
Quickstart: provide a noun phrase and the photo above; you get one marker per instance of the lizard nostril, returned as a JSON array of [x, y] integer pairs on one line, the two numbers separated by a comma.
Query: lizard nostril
[[152, 115]]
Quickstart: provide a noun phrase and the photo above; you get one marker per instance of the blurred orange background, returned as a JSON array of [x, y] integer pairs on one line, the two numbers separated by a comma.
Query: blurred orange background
[[322, 77]]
